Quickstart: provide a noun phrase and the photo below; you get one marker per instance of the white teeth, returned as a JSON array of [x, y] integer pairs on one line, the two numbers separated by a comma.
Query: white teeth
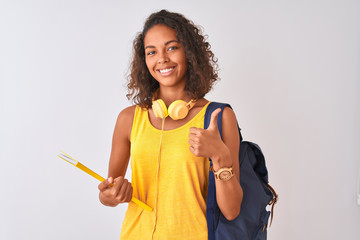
[[165, 70]]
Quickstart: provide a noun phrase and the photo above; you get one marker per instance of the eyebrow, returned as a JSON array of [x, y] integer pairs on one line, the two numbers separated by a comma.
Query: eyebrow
[[168, 42]]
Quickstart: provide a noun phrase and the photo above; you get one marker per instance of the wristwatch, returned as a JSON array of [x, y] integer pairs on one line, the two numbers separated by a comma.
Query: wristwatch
[[223, 174]]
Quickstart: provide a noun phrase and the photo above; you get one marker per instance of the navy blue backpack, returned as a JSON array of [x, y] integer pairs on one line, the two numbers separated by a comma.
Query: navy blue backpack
[[252, 222]]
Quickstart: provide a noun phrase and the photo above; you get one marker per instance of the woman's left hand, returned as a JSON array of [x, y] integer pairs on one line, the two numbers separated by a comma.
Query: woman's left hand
[[207, 142]]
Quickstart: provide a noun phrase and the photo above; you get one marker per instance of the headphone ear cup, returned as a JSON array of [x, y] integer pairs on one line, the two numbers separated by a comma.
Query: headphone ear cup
[[159, 109], [178, 110]]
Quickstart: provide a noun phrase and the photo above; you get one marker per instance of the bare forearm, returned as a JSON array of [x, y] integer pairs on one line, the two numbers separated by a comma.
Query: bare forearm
[[229, 197], [229, 193]]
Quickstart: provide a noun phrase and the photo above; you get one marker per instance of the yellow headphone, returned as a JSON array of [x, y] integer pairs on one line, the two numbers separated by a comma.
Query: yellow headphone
[[178, 109]]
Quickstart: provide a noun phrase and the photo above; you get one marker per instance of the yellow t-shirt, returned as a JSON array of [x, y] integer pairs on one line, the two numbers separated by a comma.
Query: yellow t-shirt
[[174, 185]]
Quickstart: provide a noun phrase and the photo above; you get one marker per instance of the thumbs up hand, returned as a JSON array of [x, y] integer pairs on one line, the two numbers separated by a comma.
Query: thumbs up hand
[[207, 142]]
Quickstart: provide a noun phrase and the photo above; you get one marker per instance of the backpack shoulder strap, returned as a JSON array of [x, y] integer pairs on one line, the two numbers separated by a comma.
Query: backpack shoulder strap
[[212, 208], [212, 107]]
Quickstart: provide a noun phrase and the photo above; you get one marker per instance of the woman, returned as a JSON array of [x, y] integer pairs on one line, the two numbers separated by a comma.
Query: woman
[[169, 155]]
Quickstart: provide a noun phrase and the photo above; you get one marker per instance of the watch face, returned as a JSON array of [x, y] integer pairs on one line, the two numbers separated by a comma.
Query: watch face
[[225, 175]]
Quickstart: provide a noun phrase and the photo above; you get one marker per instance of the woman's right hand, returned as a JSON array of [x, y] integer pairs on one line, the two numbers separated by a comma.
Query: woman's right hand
[[115, 191]]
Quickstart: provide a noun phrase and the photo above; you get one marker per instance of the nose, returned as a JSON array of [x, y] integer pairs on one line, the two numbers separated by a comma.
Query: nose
[[163, 57]]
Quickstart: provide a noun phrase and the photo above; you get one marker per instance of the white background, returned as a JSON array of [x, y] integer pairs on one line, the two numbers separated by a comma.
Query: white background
[[290, 69]]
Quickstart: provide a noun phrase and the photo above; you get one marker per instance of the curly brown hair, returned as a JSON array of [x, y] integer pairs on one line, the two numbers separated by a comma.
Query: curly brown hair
[[202, 65]]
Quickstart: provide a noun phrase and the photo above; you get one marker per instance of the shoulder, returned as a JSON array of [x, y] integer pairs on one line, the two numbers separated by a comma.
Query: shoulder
[[229, 114], [125, 120], [127, 114]]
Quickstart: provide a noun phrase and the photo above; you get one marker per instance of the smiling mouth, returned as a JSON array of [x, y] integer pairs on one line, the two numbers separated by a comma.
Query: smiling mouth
[[166, 71]]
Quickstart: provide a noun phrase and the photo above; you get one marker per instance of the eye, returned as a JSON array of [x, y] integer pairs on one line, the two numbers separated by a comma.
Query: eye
[[150, 53], [173, 48]]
